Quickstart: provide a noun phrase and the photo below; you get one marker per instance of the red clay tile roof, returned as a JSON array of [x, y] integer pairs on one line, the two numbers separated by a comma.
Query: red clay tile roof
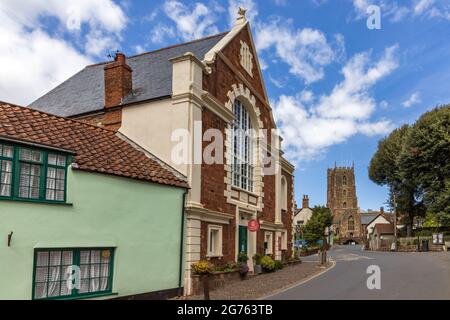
[[96, 149]]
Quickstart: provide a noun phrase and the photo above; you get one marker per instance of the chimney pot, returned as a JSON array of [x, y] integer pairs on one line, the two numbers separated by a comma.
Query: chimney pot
[[120, 57], [305, 201], [118, 81]]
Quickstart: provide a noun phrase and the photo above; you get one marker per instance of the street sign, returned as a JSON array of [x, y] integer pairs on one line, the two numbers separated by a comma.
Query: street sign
[[253, 225]]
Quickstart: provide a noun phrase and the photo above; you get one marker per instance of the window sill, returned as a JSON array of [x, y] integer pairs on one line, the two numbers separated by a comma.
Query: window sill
[[212, 256], [250, 193], [37, 201]]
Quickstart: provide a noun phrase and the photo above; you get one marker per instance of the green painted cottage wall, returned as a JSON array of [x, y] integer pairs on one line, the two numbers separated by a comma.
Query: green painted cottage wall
[[141, 220]]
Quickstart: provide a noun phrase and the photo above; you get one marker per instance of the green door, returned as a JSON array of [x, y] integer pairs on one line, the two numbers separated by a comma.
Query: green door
[[243, 235]]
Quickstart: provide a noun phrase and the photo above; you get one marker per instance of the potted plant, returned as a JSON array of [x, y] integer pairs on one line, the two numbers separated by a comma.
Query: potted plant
[[203, 269], [268, 264], [242, 264], [257, 263]]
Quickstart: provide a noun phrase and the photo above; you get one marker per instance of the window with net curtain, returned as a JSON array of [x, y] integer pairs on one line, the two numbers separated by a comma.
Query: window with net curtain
[[242, 150], [37, 174], [6, 162], [51, 272]]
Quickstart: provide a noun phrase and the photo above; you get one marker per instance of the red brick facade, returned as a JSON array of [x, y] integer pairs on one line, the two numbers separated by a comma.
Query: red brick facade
[[226, 72]]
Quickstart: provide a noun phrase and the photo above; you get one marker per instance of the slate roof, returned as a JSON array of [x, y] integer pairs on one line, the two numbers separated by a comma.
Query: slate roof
[[367, 218], [152, 79], [96, 149]]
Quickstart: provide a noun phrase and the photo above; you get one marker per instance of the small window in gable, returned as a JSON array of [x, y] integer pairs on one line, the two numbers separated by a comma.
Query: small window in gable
[[246, 58]]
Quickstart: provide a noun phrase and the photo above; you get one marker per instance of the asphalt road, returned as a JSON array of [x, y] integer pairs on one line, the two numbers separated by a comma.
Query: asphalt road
[[405, 276]]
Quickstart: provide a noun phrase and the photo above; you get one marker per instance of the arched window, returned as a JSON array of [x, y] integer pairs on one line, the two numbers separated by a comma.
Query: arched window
[[284, 194], [344, 193], [344, 205], [344, 180], [351, 224], [242, 157]]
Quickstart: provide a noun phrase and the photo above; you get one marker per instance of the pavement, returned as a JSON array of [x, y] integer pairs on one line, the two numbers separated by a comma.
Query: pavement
[[404, 276], [265, 284]]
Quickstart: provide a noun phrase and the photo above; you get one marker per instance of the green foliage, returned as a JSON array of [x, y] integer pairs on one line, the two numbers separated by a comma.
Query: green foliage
[[321, 219], [425, 159], [257, 259], [414, 163], [230, 266], [278, 265], [267, 263], [243, 257], [385, 169]]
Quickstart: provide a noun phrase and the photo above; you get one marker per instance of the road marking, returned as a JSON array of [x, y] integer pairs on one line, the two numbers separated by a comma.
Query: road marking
[[352, 257], [301, 282]]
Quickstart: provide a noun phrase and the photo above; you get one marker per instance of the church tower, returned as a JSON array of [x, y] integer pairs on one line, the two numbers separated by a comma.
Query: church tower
[[343, 202]]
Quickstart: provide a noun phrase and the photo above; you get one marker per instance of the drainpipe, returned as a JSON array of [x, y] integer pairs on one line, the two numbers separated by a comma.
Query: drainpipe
[[180, 276]]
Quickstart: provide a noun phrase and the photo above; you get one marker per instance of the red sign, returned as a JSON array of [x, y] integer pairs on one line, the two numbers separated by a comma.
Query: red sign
[[253, 225]]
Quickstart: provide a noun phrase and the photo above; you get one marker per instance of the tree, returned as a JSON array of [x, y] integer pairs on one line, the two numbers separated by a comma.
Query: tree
[[426, 160], [385, 170], [315, 228]]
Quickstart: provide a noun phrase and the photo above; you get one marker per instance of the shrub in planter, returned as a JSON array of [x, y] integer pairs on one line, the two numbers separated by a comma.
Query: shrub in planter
[[243, 257], [202, 268], [257, 263], [268, 264], [278, 265], [231, 266]]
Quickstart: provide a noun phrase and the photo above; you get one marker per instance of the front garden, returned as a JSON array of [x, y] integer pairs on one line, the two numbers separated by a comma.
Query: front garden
[[209, 276]]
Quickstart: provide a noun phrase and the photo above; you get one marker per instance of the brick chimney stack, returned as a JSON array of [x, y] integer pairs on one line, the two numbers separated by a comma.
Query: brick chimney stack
[[305, 202], [118, 81]]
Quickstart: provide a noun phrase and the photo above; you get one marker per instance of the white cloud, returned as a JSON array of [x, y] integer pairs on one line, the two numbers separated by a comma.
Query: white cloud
[[396, 11], [389, 9], [36, 60], [161, 32], [99, 43], [306, 51], [422, 5], [412, 100], [350, 98], [103, 14], [192, 22], [310, 127]]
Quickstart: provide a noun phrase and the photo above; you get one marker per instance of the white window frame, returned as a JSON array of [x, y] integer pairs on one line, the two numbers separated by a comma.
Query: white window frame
[[219, 241], [269, 249], [242, 149]]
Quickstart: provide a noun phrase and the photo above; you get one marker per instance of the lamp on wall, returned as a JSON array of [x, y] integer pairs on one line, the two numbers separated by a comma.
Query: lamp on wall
[[9, 239]]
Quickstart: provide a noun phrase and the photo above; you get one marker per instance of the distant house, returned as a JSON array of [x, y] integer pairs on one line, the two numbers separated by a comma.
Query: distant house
[[370, 219], [82, 200], [381, 237], [302, 216]]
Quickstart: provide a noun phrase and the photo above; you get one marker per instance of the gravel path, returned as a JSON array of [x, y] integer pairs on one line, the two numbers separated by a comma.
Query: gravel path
[[265, 284]]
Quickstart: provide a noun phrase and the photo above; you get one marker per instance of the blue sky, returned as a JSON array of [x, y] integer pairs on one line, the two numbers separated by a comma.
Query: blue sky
[[336, 87]]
